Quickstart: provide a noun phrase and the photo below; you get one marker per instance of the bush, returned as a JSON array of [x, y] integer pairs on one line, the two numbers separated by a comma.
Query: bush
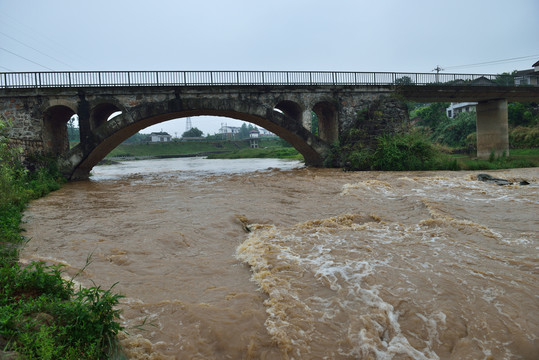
[[408, 151], [396, 152], [38, 322], [524, 137], [454, 132]]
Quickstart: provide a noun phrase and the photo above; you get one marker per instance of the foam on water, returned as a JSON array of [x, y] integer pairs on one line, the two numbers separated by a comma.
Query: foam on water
[[393, 288]]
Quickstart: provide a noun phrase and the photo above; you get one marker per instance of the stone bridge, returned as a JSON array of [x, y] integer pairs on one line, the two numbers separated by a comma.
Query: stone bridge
[[39, 105]]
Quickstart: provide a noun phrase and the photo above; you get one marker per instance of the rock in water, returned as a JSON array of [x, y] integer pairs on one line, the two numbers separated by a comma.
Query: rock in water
[[491, 179]]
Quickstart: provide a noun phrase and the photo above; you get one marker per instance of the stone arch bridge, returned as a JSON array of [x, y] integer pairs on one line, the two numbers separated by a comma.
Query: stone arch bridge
[[39, 105]]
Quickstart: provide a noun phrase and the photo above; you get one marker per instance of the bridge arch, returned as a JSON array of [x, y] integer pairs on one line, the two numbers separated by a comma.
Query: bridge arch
[[328, 127], [101, 112], [108, 135], [55, 136], [290, 108]]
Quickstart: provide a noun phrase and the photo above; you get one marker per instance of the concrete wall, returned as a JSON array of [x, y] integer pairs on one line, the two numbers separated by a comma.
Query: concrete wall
[[492, 128]]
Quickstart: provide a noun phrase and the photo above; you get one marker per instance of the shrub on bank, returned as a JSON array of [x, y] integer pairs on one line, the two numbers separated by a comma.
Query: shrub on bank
[[396, 152], [524, 137], [41, 317]]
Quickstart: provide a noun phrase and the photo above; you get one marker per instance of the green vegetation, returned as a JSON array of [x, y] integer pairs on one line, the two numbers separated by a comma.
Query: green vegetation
[[213, 148], [193, 132], [279, 153], [172, 148], [405, 151], [519, 158], [41, 315], [431, 140]]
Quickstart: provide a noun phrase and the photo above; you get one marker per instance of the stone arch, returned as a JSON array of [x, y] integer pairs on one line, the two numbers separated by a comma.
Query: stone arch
[[291, 109], [100, 113], [55, 136], [328, 128], [81, 159]]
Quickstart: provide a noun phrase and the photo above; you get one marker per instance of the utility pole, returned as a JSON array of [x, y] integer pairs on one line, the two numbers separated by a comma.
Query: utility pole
[[437, 69]]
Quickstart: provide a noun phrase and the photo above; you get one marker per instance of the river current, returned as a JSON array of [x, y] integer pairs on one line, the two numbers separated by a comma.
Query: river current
[[267, 259]]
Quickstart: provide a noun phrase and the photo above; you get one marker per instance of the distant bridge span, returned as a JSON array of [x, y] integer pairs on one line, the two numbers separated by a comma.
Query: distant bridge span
[[40, 104]]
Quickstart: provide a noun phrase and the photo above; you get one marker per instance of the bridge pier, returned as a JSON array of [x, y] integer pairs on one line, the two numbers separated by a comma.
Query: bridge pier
[[492, 128]]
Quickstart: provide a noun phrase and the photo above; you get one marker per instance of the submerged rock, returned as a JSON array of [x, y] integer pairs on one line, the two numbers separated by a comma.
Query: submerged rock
[[490, 179]]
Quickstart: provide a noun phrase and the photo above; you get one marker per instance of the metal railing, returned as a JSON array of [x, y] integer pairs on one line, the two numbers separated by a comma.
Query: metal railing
[[78, 79]]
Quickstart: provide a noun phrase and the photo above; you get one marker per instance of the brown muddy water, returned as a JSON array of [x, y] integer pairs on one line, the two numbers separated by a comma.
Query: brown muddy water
[[338, 265]]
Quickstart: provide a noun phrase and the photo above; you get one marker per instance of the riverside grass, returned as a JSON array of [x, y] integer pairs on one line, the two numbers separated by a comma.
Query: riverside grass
[[42, 316]]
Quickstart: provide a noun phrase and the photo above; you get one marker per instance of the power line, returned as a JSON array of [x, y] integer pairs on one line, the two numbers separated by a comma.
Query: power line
[[495, 62], [5, 68], [39, 51], [39, 36], [22, 57]]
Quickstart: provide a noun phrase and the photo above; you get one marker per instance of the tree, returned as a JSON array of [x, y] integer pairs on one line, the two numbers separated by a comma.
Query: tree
[[244, 131], [73, 133], [453, 132], [523, 114], [405, 80], [138, 138], [432, 115], [194, 132]]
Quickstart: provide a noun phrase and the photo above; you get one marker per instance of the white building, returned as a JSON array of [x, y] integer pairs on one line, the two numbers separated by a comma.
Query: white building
[[225, 129], [528, 77], [160, 137], [265, 133], [253, 138], [456, 108]]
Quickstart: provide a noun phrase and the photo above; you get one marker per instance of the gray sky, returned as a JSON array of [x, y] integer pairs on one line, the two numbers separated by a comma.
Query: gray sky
[[462, 36]]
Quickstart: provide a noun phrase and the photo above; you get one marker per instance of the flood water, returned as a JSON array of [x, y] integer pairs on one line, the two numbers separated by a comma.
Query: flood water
[[337, 265]]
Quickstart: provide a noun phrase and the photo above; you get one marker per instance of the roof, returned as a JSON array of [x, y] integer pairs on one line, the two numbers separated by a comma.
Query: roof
[[525, 72], [160, 133], [536, 64]]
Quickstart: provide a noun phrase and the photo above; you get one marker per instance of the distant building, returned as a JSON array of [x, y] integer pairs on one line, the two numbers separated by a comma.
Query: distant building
[[253, 138], [160, 137], [528, 77], [456, 108], [254, 134], [265, 133], [229, 132], [225, 129]]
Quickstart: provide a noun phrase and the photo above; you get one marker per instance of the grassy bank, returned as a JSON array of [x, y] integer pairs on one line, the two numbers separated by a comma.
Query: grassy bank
[[277, 153], [213, 148], [517, 158], [43, 316]]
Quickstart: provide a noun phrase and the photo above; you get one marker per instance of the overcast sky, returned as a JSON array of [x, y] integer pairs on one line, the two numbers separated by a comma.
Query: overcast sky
[[461, 36]]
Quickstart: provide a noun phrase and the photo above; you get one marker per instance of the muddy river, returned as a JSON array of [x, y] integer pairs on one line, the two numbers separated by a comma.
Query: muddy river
[[336, 265]]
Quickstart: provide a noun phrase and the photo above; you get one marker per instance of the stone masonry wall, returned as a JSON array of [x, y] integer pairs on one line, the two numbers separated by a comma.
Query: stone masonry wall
[[23, 129], [371, 116]]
